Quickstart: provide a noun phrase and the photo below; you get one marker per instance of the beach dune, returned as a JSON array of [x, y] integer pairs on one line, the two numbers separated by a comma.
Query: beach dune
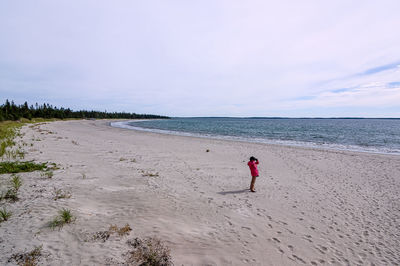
[[312, 206]]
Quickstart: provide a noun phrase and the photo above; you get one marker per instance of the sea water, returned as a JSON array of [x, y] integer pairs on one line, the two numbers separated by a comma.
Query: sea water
[[369, 135]]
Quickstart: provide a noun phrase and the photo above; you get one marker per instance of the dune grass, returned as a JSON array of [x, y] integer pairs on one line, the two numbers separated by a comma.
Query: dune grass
[[47, 174], [18, 167], [64, 217], [60, 194], [10, 194], [4, 215], [8, 131], [11, 129], [16, 182]]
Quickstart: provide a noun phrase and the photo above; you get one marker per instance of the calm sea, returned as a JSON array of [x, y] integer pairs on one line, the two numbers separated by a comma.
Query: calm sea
[[369, 135]]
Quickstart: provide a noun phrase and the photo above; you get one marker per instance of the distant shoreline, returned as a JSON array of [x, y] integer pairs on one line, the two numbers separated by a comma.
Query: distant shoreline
[[272, 117], [290, 143]]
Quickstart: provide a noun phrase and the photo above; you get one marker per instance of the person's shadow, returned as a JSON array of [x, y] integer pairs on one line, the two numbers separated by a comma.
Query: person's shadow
[[233, 191]]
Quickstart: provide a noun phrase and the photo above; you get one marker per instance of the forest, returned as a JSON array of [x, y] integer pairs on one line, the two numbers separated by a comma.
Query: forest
[[11, 111]]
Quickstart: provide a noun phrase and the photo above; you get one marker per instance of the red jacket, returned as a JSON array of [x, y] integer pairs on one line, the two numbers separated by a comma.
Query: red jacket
[[253, 167]]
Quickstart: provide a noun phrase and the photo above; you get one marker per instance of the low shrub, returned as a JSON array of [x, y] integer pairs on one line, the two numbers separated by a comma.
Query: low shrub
[[150, 251], [29, 258]]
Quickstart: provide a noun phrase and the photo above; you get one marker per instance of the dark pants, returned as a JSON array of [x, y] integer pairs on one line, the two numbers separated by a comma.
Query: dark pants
[[253, 181]]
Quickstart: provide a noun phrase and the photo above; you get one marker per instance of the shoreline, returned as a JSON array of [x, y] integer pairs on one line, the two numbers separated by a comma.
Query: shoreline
[[312, 206], [294, 144]]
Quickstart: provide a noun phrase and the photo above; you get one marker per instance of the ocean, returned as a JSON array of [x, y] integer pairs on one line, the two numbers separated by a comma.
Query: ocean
[[366, 135]]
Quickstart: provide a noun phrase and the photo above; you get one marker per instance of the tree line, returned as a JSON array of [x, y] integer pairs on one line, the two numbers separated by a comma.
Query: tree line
[[11, 111]]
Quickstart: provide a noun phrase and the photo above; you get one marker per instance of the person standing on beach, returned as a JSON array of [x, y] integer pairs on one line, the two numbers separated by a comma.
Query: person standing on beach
[[254, 172]]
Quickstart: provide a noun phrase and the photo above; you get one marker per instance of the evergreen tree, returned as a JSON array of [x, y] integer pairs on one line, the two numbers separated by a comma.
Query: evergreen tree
[[11, 111]]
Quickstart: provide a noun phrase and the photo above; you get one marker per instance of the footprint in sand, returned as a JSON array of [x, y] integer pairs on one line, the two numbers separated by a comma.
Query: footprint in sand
[[308, 238], [299, 259], [276, 240]]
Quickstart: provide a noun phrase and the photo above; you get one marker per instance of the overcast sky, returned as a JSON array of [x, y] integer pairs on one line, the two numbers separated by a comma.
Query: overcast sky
[[204, 58]]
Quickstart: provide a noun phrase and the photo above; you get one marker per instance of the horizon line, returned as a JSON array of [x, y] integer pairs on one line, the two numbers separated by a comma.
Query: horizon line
[[283, 117]]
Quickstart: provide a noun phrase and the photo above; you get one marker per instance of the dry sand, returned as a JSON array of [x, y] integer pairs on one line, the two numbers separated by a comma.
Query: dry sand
[[311, 206]]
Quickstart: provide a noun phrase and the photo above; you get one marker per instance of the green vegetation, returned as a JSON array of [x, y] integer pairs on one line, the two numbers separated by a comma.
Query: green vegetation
[[11, 195], [4, 215], [65, 217], [18, 167], [52, 166], [16, 182], [11, 111], [47, 174], [60, 194], [8, 131]]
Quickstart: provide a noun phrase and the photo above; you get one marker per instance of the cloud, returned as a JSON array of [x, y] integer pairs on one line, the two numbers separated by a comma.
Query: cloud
[[381, 68], [199, 58]]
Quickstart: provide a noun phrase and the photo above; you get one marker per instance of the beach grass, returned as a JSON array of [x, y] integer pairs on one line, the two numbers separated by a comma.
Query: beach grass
[[18, 167], [4, 215], [11, 129], [47, 174], [16, 182], [60, 194], [65, 217], [53, 166], [8, 131], [11, 195]]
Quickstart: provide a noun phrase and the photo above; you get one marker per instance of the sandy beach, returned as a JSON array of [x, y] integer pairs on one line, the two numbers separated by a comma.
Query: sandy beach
[[313, 207]]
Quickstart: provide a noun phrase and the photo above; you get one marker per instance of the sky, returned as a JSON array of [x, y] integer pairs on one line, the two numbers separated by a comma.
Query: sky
[[204, 58]]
